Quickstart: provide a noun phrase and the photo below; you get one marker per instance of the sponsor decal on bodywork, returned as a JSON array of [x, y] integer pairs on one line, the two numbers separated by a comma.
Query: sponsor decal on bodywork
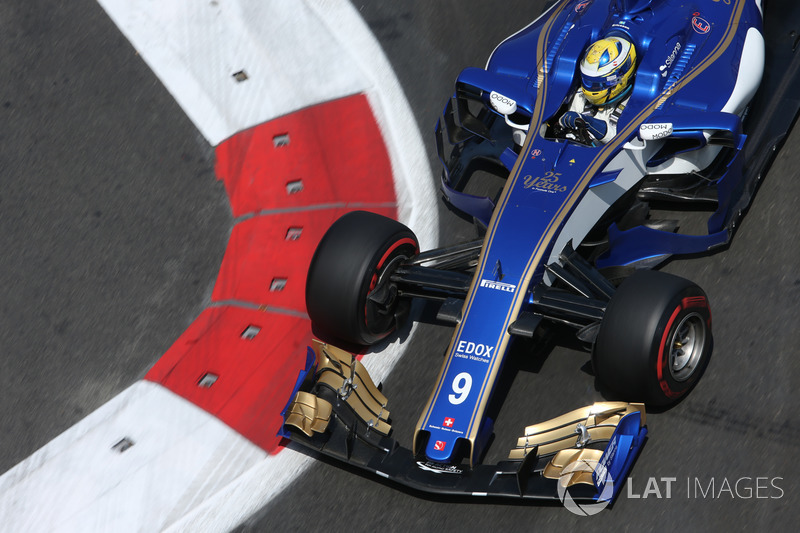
[[700, 25], [439, 468], [547, 183], [605, 462], [474, 351], [445, 427], [497, 285], [670, 60], [502, 104], [652, 132], [621, 25]]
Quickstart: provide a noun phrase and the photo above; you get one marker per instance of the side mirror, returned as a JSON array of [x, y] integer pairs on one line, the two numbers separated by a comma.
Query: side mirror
[[722, 128]]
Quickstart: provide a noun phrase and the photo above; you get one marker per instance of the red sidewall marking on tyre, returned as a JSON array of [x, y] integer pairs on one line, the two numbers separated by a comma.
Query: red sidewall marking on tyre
[[386, 255], [374, 281], [663, 360], [662, 363], [698, 301]]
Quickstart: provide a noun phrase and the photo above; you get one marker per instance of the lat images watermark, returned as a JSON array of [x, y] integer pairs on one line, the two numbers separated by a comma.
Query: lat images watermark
[[712, 488], [588, 467]]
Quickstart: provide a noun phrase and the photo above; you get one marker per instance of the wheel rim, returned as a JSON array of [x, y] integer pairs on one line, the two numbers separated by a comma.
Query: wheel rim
[[379, 316], [686, 346]]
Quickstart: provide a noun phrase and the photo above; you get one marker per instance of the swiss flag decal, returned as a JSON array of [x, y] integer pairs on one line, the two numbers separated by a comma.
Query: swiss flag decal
[[448, 422]]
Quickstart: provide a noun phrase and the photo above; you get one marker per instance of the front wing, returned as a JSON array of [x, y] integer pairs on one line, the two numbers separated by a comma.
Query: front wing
[[338, 411]]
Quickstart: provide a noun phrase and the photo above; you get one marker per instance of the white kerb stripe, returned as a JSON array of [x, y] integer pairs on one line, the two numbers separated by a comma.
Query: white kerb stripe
[[290, 58], [179, 456]]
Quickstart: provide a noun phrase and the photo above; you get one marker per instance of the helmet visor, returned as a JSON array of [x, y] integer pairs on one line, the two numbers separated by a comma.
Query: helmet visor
[[600, 83]]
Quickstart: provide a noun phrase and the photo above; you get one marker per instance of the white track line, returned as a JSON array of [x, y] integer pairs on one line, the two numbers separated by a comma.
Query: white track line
[[187, 471]]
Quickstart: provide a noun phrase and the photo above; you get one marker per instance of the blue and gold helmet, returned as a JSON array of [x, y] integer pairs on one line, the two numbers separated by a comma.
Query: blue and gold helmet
[[607, 70]]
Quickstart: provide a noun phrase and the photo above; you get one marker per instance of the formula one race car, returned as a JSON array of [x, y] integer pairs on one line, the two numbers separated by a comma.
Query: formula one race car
[[596, 116]]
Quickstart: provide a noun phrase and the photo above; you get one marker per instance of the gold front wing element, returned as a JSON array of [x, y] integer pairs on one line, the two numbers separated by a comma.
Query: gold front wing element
[[343, 373], [558, 469], [575, 429], [308, 413]]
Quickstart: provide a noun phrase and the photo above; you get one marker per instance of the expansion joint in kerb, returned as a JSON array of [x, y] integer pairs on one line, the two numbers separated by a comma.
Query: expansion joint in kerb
[[258, 307], [316, 207]]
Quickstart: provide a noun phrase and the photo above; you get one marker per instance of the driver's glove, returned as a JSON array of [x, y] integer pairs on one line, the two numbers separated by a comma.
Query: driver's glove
[[574, 121]]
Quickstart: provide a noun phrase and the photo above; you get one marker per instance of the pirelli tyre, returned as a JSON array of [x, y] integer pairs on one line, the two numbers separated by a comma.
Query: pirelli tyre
[[655, 339], [349, 295]]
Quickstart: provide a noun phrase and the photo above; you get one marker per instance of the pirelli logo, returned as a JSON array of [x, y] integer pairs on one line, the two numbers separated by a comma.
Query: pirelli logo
[[498, 286]]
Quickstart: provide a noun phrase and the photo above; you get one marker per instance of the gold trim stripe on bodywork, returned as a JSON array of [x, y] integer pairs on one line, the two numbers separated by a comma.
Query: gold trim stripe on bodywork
[[565, 208], [538, 108]]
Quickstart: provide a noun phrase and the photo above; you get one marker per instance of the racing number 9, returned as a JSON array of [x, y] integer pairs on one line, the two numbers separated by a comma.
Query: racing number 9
[[461, 386]]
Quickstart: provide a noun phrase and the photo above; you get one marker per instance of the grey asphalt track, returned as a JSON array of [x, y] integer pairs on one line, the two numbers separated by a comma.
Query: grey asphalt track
[[113, 227], [112, 224]]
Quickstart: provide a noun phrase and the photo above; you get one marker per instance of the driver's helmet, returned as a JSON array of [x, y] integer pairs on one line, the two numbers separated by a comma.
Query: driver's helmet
[[607, 70]]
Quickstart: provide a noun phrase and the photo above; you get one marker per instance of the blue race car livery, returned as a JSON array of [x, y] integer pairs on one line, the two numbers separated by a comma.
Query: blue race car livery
[[570, 241]]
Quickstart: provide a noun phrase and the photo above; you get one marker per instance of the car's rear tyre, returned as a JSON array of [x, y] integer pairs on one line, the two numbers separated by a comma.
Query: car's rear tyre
[[348, 293], [655, 339]]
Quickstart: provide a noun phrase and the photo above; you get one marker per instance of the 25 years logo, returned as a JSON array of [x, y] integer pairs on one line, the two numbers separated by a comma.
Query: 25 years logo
[[547, 183]]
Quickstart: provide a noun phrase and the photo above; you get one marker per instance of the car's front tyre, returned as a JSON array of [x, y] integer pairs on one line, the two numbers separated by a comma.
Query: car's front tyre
[[655, 339], [348, 291]]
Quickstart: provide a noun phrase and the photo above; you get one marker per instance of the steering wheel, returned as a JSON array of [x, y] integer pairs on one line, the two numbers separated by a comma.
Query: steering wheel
[[581, 131]]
